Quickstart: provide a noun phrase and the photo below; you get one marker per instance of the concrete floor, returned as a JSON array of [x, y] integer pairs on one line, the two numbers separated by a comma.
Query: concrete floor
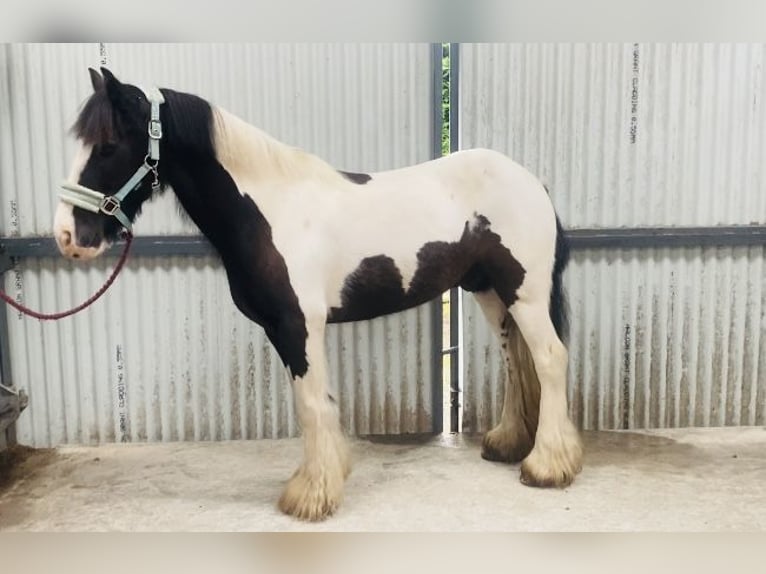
[[688, 480]]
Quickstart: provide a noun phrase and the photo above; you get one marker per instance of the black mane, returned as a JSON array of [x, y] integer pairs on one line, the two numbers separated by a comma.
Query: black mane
[[187, 121]]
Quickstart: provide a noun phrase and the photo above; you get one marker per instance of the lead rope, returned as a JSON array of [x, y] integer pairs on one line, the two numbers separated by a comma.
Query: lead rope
[[120, 264], [56, 316]]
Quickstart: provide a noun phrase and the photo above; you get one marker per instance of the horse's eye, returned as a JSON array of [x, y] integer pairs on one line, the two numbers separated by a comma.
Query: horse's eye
[[107, 149]]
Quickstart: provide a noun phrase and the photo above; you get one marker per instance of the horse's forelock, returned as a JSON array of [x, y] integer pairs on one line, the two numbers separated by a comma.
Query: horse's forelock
[[96, 123]]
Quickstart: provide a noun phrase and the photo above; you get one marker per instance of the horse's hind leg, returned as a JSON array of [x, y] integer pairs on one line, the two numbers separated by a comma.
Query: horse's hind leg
[[316, 489], [512, 439], [557, 455]]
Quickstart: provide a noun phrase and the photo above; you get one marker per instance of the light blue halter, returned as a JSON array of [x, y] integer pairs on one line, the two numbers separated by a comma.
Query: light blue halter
[[95, 201]]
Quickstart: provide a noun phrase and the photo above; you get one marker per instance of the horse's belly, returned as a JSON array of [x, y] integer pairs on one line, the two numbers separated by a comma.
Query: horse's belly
[[377, 294], [376, 287]]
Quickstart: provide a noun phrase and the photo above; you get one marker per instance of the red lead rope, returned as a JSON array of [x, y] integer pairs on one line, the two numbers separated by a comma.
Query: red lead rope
[[55, 316]]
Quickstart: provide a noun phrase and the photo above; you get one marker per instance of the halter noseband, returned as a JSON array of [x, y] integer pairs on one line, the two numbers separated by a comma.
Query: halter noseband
[[95, 201]]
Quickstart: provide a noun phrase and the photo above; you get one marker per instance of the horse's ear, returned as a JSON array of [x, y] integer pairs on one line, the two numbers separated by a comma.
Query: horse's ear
[[96, 80], [113, 86], [118, 95]]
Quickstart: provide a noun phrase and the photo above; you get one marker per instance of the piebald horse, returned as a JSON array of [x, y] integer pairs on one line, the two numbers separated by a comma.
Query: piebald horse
[[304, 245]]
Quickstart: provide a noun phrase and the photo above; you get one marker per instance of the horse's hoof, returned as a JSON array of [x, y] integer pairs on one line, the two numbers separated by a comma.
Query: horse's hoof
[[529, 478], [546, 467], [501, 445], [312, 498]]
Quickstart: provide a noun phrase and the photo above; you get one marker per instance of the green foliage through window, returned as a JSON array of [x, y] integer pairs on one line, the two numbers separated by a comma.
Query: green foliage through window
[[445, 99]]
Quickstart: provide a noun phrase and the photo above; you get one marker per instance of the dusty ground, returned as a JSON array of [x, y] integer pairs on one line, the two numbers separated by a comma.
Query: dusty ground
[[712, 479], [11, 462]]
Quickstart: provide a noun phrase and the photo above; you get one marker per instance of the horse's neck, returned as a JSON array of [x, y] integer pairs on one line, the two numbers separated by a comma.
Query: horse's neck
[[248, 174]]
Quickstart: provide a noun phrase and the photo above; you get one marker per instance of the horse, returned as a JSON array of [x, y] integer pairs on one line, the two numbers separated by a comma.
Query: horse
[[304, 244]]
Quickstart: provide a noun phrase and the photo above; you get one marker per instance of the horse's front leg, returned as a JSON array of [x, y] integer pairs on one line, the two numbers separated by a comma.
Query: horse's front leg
[[316, 489]]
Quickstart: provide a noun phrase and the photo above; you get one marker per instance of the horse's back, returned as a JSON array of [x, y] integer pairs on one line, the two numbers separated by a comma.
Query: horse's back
[[485, 182], [472, 174]]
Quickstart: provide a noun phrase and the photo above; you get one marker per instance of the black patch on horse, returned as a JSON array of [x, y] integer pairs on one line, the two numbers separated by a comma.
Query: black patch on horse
[[258, 278], [257, 273], [558, 307], [373, 289], [358, 178], [558, 304], [477, 262]]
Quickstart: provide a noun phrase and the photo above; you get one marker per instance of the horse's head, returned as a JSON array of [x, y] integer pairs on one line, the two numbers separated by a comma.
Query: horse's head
[[112, 132]]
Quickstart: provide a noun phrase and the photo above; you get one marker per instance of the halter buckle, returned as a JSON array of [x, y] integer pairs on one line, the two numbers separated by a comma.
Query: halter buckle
[[110, 205], [155, 129]]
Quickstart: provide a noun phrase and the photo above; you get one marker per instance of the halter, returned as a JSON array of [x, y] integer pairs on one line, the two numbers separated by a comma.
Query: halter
[[95, 201]]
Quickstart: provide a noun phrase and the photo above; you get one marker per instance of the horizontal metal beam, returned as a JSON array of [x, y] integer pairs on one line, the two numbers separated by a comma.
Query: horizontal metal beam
[[606, 238], [148, 246], [648, 237]]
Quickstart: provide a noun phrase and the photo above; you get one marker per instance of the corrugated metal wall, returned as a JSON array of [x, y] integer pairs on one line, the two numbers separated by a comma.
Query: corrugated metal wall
[[165, 355], [630, 136]]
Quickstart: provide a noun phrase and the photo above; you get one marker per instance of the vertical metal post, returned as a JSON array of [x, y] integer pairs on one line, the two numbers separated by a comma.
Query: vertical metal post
[[454, 298], [437, 395], [6, 378], [9, 438]]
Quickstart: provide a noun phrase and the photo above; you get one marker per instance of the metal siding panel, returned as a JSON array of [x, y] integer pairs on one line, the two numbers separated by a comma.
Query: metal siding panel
[[564, 111], [659, 337], [192, 366]]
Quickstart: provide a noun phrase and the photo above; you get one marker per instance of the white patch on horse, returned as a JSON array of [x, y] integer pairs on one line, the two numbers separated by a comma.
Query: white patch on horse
[[315, 491], [63, 220], [63, 223], [307, 202]]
